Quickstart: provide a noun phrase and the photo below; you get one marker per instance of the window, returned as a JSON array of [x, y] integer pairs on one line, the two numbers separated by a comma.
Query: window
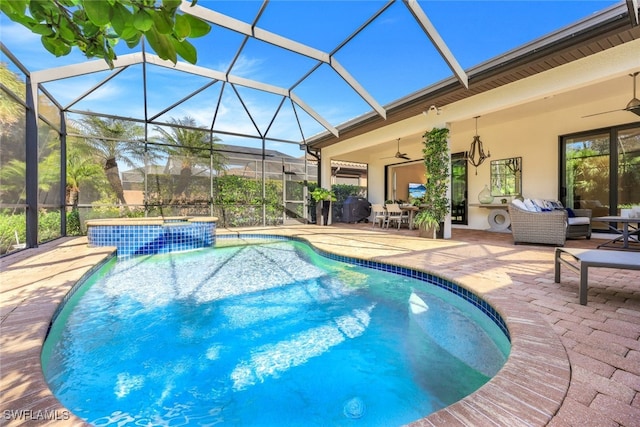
[[600, 169]]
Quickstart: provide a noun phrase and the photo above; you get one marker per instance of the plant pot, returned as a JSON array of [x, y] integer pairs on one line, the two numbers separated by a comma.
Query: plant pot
[[323, 210], [431, 232]]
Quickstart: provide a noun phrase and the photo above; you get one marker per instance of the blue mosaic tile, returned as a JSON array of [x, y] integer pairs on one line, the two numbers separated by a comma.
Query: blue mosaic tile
[[133, 240]]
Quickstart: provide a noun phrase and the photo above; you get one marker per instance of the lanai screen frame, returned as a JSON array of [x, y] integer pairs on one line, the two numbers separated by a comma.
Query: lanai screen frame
[[35, 80]]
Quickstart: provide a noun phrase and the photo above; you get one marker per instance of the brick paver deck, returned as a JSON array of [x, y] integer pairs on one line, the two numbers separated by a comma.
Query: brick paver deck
[[570, 365]]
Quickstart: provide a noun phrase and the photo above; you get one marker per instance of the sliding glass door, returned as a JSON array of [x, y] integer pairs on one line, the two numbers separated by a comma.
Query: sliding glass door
[[600, 170], [628, 175]]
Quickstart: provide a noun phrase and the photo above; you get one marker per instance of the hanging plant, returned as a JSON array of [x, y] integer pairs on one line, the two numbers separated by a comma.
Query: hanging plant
[[436, 162]]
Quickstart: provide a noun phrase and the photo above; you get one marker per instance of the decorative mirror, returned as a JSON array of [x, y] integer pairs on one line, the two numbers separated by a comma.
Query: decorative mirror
[[506, 177]]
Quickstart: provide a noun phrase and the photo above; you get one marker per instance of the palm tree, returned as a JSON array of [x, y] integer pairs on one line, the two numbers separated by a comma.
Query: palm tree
[[80, 167], [112, 141], [14, 172], [192, 146], [10, 111]]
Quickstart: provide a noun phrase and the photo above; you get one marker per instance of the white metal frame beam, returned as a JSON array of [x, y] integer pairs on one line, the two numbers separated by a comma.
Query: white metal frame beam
[[84, 68], [252, 31], [437, 41], [282, 42]]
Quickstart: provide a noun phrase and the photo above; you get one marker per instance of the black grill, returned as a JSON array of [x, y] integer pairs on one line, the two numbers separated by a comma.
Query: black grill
[[355, 209]]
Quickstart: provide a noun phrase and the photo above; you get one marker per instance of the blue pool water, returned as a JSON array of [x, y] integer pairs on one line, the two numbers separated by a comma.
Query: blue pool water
[[269, 334]]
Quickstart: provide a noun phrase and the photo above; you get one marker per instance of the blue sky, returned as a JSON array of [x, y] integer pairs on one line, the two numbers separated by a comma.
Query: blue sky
[[391, 58]]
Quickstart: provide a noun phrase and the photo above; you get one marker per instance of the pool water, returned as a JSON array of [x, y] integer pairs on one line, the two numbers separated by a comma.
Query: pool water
[[268, 334]]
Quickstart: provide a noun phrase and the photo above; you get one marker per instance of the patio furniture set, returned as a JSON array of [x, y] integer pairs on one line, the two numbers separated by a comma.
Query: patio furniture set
[[548, 223], [393, 213]]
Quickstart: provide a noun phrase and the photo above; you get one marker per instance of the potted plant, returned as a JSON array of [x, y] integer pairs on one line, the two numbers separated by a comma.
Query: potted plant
[[435, 203], [323, 199]]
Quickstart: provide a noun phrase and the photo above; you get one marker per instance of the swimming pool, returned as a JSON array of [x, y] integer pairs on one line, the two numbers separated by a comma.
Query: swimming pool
[[352, 346]]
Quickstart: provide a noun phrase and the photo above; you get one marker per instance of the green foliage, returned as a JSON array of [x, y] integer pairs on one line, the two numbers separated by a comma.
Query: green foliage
[[96, 26], [10, 110], [319, 194], [342, 191], [48, 225], [109, 141], [9, 225], [189, 146], [238, 201], [101, 211], [233, 189], [74, 227], [436, 162]]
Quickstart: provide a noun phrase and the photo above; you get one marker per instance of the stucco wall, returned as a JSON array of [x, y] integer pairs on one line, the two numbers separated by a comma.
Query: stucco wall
[[522, 119]]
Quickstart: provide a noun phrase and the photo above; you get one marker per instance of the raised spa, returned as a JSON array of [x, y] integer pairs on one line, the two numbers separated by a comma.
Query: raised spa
[[145, 236]]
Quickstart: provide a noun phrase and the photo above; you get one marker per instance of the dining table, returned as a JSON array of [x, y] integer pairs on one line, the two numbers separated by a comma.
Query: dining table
[[411, 210], [627, 234]]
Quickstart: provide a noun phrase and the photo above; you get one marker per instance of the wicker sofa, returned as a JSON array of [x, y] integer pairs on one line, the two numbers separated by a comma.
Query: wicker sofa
[[549, 228]]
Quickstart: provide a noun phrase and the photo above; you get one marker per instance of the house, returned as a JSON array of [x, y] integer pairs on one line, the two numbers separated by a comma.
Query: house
[[542, 102], [539, 104]]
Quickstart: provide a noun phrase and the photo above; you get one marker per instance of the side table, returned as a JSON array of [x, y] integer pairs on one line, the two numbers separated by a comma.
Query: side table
[[498, 218]]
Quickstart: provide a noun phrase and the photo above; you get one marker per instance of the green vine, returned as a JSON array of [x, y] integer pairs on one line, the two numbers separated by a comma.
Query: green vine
[[436, 162]]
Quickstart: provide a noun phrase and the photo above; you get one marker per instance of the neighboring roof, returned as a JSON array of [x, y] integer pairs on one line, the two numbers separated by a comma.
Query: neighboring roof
[[604, 30], [348, 165], [251, 153]]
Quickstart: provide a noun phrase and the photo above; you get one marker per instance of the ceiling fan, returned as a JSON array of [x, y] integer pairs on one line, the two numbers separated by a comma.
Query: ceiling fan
[[398, 154], [633, 105]]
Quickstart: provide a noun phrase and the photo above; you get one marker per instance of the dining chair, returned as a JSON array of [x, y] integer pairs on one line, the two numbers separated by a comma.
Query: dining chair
[[397, 215], [379, 213]]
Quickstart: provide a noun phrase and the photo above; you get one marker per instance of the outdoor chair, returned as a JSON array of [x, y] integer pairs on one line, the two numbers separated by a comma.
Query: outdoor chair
[[579, 223], [379, 214], [397, 215]]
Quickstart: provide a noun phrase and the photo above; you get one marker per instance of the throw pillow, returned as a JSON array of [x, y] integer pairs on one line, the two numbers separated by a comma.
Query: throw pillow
[[519, 204], [555, 204], [531, 207], [541, 205]]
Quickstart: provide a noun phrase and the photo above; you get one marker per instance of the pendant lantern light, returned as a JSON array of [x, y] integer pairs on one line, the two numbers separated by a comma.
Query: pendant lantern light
[[476, 155]]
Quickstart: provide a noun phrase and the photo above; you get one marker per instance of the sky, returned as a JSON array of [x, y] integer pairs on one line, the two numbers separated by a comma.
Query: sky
[[390, 58]]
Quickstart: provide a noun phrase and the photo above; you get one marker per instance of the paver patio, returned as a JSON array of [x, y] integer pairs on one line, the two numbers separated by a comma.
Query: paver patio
[[570, 365]]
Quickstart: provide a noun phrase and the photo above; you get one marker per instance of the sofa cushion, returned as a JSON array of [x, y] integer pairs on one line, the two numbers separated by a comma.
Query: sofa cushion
[[579, 220]]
